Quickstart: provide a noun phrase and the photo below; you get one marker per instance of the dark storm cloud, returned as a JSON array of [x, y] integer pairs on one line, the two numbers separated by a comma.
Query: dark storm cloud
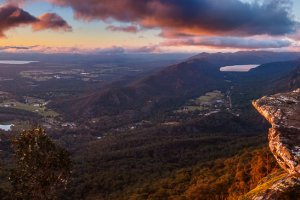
[[11, 16], [230, 42], [192, 17]]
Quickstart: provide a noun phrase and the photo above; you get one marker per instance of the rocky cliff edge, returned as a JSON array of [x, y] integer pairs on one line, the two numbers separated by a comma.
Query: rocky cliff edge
[[283, 112]]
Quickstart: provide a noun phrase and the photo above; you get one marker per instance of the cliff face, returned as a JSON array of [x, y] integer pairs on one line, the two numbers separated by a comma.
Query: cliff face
[[283, 112]]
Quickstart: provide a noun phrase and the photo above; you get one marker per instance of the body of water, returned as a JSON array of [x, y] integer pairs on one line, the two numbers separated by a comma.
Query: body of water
[[16, 62], [238, 68], [6, 127]]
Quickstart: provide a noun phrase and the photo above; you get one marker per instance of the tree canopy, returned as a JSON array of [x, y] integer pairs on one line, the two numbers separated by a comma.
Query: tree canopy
[[42, 167]]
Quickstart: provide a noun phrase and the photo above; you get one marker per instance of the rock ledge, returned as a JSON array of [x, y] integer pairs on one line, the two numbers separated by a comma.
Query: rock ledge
[[283, 112]]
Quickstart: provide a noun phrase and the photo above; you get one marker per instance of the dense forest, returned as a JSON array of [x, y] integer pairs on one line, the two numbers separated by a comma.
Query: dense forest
[[220, 178]]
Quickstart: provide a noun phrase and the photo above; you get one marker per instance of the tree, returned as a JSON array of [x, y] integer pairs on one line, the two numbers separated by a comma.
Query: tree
[[42, 167]]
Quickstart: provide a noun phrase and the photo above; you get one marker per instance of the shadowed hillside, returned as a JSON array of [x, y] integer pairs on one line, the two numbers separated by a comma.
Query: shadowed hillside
[[164, 89]]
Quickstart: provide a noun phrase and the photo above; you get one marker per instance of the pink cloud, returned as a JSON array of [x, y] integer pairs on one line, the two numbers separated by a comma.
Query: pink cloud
[[11, 16], [51, 21]]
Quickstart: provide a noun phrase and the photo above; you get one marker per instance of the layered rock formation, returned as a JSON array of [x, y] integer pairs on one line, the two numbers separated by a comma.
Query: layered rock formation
[[283, 112]]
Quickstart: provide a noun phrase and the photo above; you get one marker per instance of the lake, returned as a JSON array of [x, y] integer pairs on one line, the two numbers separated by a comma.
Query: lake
[[6, 127], [16, 62], [238, 68]]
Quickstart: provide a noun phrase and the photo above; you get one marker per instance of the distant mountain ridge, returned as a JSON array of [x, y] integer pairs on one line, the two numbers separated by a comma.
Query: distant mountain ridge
[[247, 57]]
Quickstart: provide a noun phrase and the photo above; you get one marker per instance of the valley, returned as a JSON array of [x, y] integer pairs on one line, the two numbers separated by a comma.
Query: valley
[[165, 126], [126, 105], [214, 99]]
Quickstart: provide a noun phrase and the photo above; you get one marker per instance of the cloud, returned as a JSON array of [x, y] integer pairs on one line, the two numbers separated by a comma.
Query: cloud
[[296, 35], [9, 48], [229, 42], [51, 21], [128, 29], [112, 50], [77, 50], [123, 50], [144, 49], [11, 16], [192, 17]]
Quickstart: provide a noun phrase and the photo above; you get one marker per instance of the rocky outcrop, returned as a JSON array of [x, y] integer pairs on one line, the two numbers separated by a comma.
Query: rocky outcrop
[[278, 186], [283, 112]]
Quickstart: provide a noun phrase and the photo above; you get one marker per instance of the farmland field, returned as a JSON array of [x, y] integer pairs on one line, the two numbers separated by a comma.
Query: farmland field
[[207, 102], [36, 108]]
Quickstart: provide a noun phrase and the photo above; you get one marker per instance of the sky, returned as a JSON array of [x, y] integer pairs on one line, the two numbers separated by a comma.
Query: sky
[[148, 26]]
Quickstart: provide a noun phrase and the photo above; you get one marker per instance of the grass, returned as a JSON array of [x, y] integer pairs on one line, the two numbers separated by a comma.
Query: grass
[[195, 108], [265, 185], [41, 110], [210, 96], [202, 103]]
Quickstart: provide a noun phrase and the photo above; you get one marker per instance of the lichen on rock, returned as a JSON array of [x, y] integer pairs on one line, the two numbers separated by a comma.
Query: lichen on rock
[[278, 186]]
